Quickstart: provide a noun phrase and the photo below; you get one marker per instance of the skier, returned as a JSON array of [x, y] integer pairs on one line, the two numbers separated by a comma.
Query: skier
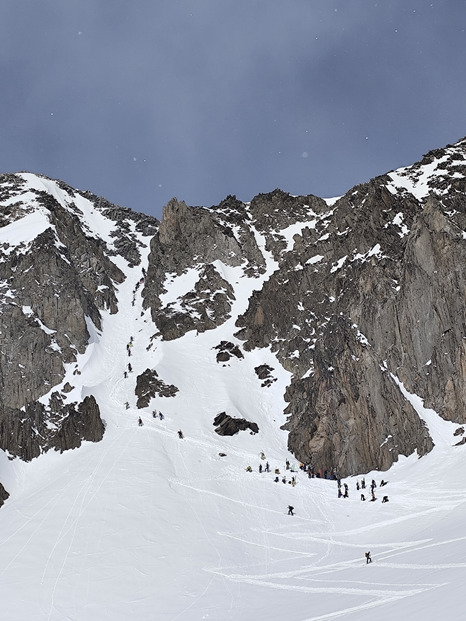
[[267, 467], [260, 468], [385, 499], [368, 558], [154, 414], [290, 510], [161, 416], [127, 405], [140, 422], [180, 434], [130, 368], [363, 497]]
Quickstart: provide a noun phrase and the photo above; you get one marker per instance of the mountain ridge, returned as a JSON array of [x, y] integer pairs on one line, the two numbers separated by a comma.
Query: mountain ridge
[[346, 294]]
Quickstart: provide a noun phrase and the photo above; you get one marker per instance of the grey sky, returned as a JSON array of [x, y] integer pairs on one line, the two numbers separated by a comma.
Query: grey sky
[[142, 100]]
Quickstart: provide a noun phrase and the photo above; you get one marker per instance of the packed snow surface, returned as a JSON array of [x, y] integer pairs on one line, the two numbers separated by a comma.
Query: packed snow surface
[[147, 526]]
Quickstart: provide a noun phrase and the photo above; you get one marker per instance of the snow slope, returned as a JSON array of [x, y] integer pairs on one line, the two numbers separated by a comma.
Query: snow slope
[[146, 526]]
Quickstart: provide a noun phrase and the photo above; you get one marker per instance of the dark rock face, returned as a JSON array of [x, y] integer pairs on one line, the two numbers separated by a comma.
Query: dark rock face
[[227, 350], [37, 428], [264, 372], [207, 305], [196, 240], [3, 495], [149, 385], [369, 294], [228, 426], [81, 423]]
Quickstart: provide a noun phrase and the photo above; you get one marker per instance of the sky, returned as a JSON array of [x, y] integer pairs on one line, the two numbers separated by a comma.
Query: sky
[[143, 101]]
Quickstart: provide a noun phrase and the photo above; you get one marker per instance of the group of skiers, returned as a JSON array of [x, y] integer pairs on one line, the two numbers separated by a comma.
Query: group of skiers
[[373, 485], [343, 488]]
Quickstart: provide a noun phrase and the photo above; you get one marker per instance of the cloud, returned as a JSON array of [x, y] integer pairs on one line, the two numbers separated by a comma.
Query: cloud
[[142, 101]]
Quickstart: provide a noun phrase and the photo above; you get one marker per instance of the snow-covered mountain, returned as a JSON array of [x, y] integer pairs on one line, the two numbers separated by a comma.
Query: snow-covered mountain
[[328, 332]]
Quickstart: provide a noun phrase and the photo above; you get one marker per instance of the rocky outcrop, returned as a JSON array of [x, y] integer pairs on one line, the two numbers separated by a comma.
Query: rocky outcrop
[[264, 373], [37, 428], [3, 495], [191, 245], [149, 385], [202, 308], [351, 411], [229, 426], [80, 423], [226, 350]]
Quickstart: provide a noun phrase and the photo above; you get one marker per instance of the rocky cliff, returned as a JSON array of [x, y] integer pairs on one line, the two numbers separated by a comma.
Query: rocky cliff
[[360, 299]]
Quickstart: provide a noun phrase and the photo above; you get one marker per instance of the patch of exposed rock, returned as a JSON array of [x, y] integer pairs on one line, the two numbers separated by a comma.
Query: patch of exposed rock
[[264, 373], [3, 495], [149, 385], [226, 350], [37, 428], [226, 425]]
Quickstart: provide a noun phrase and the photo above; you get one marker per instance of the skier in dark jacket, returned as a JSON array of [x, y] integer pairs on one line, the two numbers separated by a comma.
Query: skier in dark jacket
[[368, 558], [180, 434], [290, 510]]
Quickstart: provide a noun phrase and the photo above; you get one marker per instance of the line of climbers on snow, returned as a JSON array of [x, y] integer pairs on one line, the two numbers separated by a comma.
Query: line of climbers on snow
[[129, 368], [138, 284]]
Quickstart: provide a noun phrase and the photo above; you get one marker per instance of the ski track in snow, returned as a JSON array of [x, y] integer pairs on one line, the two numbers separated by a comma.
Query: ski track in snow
[[143, 525]]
